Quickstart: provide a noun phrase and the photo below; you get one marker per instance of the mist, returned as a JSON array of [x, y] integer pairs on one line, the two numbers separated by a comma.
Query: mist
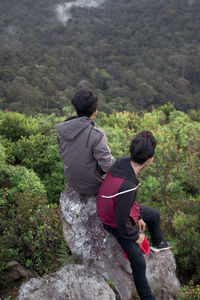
[[63, 11]]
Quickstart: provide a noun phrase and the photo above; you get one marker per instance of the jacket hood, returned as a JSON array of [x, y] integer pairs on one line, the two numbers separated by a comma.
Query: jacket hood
[[72, 127], [122, 169]]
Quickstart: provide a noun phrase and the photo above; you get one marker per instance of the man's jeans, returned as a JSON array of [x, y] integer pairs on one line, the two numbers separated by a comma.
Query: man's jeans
[[152, 219]]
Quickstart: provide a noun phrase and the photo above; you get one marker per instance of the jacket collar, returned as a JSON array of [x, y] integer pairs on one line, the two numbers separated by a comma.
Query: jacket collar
[[122, 169], [76, 117]]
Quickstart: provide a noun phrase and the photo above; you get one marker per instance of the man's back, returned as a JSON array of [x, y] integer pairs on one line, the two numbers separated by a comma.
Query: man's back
[[85, 154]]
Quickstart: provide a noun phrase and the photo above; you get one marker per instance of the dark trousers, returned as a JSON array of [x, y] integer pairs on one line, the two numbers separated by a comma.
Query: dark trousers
[[152, 219]]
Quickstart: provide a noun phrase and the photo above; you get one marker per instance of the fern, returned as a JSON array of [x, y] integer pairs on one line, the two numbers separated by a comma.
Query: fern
[[64, 255]]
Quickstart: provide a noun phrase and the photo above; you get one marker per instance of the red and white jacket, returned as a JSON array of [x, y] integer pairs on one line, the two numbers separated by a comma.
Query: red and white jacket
[[117, 205]]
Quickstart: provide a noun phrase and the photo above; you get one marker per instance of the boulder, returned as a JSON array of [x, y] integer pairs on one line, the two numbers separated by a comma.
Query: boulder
[[72, 282], [101, 259], [14, 271], [161, 276], [97, 249]]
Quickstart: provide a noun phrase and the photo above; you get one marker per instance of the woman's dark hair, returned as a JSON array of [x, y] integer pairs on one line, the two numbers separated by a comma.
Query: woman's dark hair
[[142, 147], [85, 102]]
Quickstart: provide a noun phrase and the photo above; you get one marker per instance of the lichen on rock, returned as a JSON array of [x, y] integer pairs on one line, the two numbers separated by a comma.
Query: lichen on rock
[[72, 282]]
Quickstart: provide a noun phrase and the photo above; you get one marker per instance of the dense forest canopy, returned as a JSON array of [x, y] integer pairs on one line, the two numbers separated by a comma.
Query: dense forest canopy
[[135, 54]]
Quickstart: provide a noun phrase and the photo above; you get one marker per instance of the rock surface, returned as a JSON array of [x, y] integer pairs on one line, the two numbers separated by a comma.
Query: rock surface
[[72, 282], [161, 275], [101, 259], [97, 249], [14, 271]]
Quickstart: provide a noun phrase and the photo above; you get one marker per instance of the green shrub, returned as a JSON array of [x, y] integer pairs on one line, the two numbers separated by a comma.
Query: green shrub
[[120, 120], [167, 109], [37, 151], [40, 153], [189, 292], [194, 115], [186, 239], [31, 152], [30, 228], [118, 140], [2, 153], [30, 232], [14, 125], [18, 179], [55, 182]]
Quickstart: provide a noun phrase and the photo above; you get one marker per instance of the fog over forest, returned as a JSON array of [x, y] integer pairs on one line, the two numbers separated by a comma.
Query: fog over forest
[[63, 11], [133, 54]]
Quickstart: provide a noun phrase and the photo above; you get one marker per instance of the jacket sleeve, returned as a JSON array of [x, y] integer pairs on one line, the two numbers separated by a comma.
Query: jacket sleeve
[[122, 212], [102, 154]]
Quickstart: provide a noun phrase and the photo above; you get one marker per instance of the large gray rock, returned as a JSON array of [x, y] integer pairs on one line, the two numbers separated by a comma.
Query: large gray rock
[[97, 249], [73, 282], [161, 275], [101, 258]]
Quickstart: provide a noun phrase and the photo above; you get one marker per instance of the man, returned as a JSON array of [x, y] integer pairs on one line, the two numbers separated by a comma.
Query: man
[[119, 211], [83, 146]]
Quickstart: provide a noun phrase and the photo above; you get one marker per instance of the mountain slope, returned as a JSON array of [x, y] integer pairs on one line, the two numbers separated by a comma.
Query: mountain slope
[[134, 54]]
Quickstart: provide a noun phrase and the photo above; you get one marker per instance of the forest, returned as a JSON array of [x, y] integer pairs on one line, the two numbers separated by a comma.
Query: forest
[[31, 180], [134, 54]]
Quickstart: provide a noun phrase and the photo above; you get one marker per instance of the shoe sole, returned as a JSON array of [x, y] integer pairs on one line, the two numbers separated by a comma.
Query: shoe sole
[[158, 250]]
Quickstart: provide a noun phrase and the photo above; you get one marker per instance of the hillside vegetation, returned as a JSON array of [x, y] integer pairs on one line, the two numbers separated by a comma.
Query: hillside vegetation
[[133, 53], [31, 180]]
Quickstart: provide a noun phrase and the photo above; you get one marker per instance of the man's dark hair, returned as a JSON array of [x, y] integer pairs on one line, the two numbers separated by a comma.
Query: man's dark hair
[[85, 102], [142, 147]]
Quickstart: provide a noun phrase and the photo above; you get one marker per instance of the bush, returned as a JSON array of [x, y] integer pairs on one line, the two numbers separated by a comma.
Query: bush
[[186, 238], [171, 184], [189, 292], [2, 153], [15, 180], [35, 150], [30, 228], [14, 125], [30, 232]]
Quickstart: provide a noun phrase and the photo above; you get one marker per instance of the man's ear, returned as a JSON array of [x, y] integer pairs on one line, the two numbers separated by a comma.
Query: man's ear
[[94, 115], [148, 161]]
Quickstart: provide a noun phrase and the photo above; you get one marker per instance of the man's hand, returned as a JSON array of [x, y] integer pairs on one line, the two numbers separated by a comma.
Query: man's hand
[[141, 226], [140, 239]]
